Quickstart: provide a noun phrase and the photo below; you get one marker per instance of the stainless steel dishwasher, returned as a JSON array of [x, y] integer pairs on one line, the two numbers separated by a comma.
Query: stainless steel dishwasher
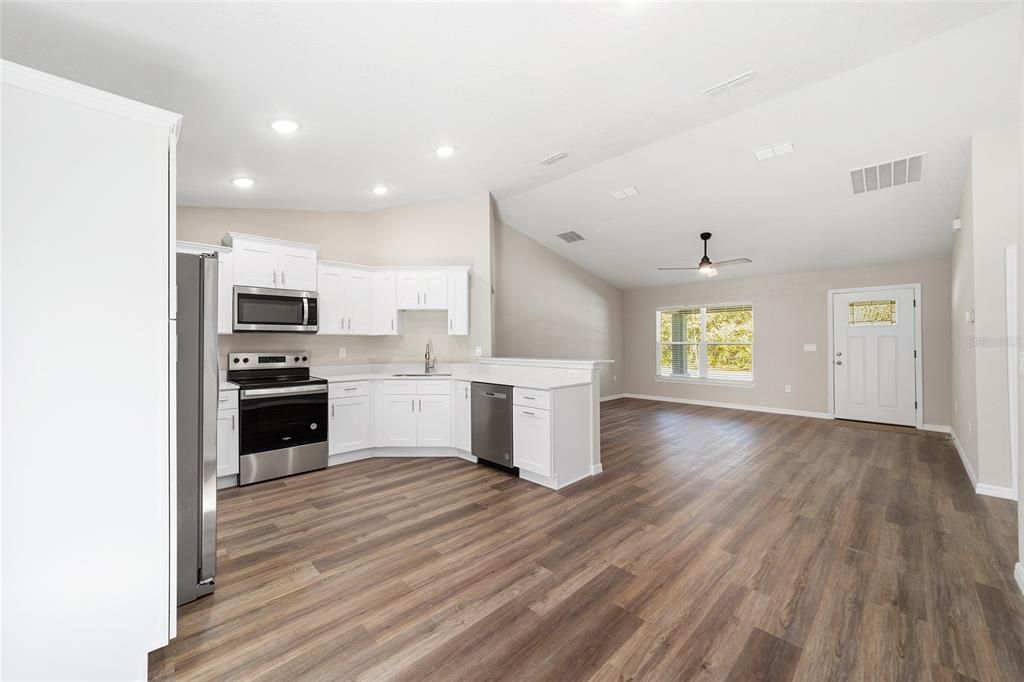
[[491, 410]]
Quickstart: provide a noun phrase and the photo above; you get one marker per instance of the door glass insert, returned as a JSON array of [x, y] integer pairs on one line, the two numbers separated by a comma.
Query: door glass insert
[[863, 313]]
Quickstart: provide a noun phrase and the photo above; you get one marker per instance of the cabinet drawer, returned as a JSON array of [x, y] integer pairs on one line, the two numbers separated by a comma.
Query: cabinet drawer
[[389, 387], [434, 387], [529, 397], [349, 389], [227, 400]]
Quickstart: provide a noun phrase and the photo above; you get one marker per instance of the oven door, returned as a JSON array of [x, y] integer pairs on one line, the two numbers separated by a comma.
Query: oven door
[[257, 309], [287, 417]]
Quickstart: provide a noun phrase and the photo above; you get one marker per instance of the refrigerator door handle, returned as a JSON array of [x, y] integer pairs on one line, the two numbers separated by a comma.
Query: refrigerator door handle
[[208, 422]]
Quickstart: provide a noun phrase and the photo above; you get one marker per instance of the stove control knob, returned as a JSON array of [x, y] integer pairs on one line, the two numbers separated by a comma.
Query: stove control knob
[[236, 361], [304, 358], [245, 359], [296, 358]]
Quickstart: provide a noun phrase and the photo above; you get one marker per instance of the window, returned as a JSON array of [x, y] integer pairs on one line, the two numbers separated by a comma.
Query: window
[[713, 342], [872, 313]]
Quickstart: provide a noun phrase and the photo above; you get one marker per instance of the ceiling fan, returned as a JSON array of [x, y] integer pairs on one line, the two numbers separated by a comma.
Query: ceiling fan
[[706, 266]]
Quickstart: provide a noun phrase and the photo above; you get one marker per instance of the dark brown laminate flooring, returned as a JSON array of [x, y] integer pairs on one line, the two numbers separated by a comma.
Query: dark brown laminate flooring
[[717, 545]]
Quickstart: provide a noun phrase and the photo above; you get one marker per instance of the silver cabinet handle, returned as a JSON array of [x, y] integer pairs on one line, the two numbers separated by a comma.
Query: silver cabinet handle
[[275, 278], [282, 278], [232, 422], [353, 388], [421, 406], [527, 397], [332, 409], [467, 392], [449, 324], [529, 413], [412, 405], [392, 324]]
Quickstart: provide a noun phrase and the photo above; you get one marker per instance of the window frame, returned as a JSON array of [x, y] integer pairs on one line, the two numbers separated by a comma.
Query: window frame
[[702, 346]]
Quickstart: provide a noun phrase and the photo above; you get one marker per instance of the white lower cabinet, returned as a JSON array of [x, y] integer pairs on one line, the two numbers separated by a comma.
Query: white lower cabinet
[[414, 414], [349, 424], [531, 439], [395, 420], [461, 417], [227, 434]]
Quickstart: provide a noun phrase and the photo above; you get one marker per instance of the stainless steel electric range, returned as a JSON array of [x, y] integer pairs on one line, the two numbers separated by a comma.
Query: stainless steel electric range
[[282, 415]]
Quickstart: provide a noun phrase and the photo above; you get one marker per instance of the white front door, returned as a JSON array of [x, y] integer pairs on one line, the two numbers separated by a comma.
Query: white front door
[[874, 356]]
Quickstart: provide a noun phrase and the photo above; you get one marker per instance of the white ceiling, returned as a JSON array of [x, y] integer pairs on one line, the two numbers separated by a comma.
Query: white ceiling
[[378, 87]]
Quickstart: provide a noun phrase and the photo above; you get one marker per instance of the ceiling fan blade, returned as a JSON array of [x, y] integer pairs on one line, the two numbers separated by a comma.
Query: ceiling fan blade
[[733, 261], [668, 268]]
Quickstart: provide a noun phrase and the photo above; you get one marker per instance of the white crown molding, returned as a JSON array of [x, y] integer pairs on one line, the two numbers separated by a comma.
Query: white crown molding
[[47, 84], [230, 237]]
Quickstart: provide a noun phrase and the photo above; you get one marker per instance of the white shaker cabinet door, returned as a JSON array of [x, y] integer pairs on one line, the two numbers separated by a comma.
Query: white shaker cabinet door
[[531, 440], [434, 427], [358, 302], [385, 304], [227, 442], [434, 288], [395, 421], [297, 268], [461, 417], [331, 300], [350, 424], [409, 295], [255, 263]]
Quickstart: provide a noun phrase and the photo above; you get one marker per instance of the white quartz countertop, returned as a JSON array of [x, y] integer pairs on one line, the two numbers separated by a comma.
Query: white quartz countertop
[[503, 375], [226, 385]]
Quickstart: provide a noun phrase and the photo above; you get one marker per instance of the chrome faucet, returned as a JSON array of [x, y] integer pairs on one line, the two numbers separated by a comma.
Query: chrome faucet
[[428, 362]]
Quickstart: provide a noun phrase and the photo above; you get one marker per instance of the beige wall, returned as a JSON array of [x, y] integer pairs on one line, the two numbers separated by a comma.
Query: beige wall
[[451, 232], [789, 311], [965, 405], [548, 307], [1020, 315], [988, 212]]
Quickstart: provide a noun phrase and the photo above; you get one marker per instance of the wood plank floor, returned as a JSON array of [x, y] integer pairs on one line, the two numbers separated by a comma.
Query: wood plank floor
[[717, 545]]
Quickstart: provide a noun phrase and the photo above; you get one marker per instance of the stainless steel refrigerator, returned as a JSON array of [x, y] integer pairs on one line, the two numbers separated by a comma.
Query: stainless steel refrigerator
[[198, 385]]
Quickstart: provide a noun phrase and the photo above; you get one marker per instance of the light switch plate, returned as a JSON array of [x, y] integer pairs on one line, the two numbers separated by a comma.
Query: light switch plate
[[810, 347], [342, 352], [789, 389]]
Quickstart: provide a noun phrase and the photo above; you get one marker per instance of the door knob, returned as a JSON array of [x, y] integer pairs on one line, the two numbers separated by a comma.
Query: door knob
[[839, 362], [839, 354]]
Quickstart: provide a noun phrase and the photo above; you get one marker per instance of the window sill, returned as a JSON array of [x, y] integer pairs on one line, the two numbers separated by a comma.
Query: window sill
[[736, 383]]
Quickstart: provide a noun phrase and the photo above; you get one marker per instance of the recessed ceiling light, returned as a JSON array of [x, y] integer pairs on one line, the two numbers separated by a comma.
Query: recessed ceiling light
[[284, 126], [445, 151], [243, 183], [380, 190]]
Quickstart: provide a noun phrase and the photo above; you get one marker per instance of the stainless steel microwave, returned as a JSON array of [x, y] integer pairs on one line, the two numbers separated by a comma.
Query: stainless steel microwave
[[259, 309]]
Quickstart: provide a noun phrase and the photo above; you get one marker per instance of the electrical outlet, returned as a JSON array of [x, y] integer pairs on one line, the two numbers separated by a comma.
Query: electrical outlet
[[810, 348], [615, 377], [789, 389], [479, 351], [970, 426], [342, 352], [956, 405]]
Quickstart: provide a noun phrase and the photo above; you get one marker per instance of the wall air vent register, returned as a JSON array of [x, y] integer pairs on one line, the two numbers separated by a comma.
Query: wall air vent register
[[888, 174]]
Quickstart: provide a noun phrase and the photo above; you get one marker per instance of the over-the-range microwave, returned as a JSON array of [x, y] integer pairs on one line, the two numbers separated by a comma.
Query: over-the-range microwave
[[259, 309]]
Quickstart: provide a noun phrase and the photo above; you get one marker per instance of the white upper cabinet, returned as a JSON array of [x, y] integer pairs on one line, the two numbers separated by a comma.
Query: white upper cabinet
[[458, 303], [385, 303], [425, 290], [345, 299], [271, 263], [409, 291]]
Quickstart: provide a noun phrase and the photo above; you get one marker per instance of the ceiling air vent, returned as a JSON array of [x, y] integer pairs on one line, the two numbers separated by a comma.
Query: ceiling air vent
[[888, 174], [570, 237], [553, 159]]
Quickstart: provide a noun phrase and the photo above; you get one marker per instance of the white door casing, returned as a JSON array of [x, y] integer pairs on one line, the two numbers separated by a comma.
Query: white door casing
[[874, 364]]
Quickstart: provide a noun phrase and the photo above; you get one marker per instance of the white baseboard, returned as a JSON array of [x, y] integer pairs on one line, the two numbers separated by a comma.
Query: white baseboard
[[939, 428], [346, 457], [595, 469], [995, 491], [731, 406], [1000, 491], [230, 481], [966, 462], [617, 396], [1018, 575]]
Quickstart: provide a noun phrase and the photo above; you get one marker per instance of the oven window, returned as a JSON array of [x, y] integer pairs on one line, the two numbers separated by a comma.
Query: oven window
[[271, 423], [263, 309]]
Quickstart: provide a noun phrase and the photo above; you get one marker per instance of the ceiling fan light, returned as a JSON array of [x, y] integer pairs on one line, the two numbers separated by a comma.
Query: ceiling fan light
[[710, 271]]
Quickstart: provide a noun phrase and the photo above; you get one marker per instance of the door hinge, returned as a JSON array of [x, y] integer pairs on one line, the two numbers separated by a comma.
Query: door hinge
[[915, 404], [915, 353], [915, 302]]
